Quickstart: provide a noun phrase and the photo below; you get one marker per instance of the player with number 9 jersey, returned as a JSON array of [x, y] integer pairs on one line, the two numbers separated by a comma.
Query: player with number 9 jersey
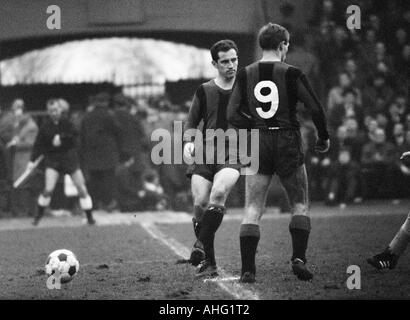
[[265, 97]]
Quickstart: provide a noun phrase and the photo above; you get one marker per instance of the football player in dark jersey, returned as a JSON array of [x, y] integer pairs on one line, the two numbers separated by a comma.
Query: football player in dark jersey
[[389, 257], [264, 97], [56, 141], [212, 180]]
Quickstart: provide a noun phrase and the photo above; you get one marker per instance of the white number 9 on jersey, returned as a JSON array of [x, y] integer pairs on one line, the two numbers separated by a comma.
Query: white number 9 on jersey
[[272, 97]]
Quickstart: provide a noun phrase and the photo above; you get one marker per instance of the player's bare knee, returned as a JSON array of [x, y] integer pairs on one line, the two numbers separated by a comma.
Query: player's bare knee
[[218, 193], [252, 215], [200, 202], [200, 198], [255, 204], [251, 218]]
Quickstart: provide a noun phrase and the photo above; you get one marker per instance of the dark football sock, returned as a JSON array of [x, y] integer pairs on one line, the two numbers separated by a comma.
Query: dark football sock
[[89, 214], [211, 221], [210, 250], [299, 228], [198, 214], [40, 212], [249, 236]]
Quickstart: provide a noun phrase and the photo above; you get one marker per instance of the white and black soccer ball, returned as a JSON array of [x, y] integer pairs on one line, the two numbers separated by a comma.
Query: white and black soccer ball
[[65, 262]]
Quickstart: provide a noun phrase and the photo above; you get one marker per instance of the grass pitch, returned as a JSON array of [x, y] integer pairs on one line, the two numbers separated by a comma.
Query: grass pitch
[[121, 259]]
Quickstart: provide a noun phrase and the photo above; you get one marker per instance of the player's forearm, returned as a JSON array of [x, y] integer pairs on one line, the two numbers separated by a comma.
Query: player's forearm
[[194, 118], [191, 123], [312, 103], [321, 126], [236, 116], [190, 130]]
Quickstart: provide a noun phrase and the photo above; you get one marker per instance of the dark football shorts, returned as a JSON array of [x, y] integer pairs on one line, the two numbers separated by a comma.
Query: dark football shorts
[[209, 170], [64, 163], [280, 152]]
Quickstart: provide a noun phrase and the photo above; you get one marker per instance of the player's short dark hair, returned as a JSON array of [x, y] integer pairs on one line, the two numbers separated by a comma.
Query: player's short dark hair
[[222, 46], [271, 35]]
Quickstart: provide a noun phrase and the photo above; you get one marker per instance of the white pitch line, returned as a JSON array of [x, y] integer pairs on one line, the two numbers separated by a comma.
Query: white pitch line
[[174, 245], [221, 279], [235, 289]]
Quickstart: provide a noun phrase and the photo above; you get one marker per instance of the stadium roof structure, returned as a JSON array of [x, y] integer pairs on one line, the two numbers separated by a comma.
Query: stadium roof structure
[[21, 19], [24, 27], [121, 61], [24, 23]]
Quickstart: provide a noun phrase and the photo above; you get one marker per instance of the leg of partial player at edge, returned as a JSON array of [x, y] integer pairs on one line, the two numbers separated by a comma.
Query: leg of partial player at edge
[[399, 243], [389, 257]]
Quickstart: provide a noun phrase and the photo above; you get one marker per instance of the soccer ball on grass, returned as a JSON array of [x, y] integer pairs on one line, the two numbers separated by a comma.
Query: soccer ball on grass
[[65, 262]]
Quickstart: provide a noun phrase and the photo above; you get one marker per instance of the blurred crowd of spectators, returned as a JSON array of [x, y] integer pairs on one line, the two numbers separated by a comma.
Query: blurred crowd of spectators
[[114, 149], [18, 131], [365, 79]]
